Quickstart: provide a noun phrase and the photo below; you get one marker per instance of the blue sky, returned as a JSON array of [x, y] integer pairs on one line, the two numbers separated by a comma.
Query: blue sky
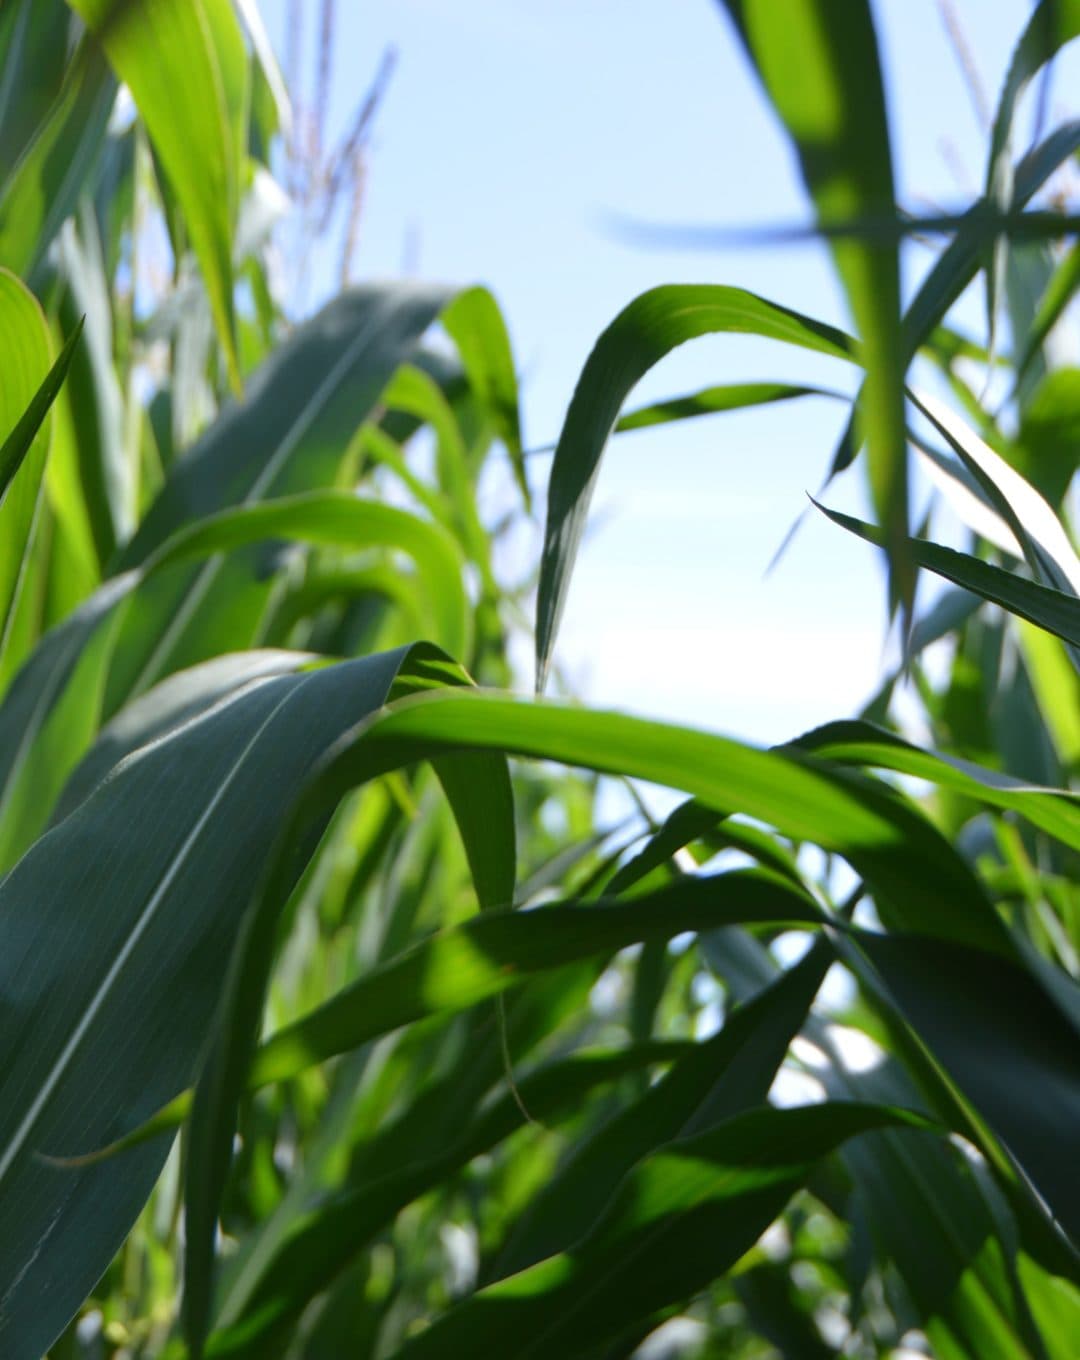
[[513, 134]]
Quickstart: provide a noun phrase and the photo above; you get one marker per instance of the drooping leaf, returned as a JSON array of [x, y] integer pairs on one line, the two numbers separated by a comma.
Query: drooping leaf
[[1054, 811], [639, 337], [914, 872], [1040, 533]]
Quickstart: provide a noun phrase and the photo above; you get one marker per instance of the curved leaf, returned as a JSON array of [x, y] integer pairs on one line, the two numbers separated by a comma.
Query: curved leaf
[[639, 337]]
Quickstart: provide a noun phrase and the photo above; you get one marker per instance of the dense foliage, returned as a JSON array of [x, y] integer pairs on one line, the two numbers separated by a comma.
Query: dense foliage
[[456, 1068]]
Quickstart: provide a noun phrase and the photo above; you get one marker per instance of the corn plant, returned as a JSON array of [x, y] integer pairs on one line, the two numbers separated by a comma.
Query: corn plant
[[335, 1019]]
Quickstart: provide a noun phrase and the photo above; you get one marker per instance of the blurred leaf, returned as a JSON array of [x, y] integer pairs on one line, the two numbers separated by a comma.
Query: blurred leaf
[[33, 39], [178, 57], [1052, 24], [30, 383], [1054, 811], [730, 397], [1038, 530], [639, 337], [43, 187], [107, 478], [475, 324], [1047, 450], [819, 66], [19, 439], [1058, 294]]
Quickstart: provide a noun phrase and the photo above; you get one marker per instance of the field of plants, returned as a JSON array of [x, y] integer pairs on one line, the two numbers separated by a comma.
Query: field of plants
[[335, 1019]]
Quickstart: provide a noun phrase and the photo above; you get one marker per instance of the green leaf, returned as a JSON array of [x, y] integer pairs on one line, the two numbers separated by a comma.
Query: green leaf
[[288, 435], [325, 517], [928, 1215], [1052, 24], [952, 997], [177, 700], [477, 785], [639, 337], [1054, 811], [44, 186], [1047, 447], [475, 324], [107, 477], [117, 927], [1038, 530], [1059, 292], [30, 384], [958, 264], [819, 65], [681, 1219], [709, 400], [33, 41], [917, 878], [19, 440], [1054, 610], [493, 952], [726, 1074], [323, 1240], [174, 58]]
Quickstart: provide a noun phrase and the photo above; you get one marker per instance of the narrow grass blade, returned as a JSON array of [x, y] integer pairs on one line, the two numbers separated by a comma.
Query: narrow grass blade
[[710, 400], [1052, 609]]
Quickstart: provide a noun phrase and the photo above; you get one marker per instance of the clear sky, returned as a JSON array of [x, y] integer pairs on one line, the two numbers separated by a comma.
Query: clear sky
[[513, 133]]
